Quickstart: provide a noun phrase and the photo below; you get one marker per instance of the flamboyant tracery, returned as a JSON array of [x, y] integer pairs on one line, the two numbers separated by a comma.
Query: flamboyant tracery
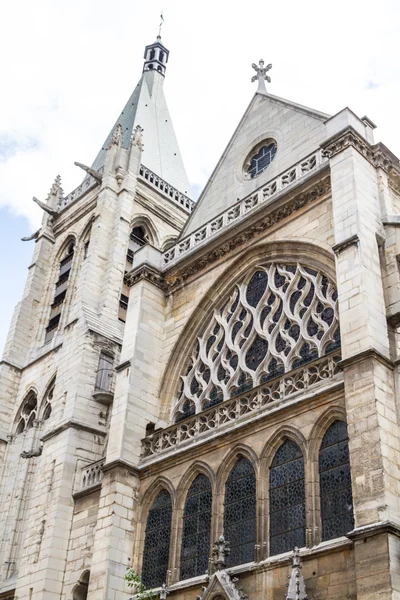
[[277, 319]]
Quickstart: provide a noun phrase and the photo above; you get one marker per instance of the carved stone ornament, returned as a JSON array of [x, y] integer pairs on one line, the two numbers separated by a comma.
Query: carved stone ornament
[[378, 155], [148, 273], [137, 137], [221, 585], [297, 586], [176, 277], [33, 452]]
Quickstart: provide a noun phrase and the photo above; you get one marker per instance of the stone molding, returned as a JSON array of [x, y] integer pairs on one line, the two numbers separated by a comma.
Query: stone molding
[[71, 423], [378, 528], [179, 276], [119, 463], [366, 354], [353, 240], [377, 155], [146, 272]]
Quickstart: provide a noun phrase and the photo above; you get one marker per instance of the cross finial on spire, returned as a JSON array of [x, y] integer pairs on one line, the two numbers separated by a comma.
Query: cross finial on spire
[[261, 75], [159, 27]]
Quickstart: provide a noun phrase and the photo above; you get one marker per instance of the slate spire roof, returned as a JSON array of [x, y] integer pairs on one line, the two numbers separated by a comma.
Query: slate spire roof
[[147, 107]]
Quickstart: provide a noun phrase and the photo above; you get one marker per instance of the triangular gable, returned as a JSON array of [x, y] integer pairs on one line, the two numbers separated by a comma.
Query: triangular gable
[[298, 131], [221, 584]]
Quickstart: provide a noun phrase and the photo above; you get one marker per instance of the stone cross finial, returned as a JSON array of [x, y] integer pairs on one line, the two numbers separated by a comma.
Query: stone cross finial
[[164, 592], [297, 586], [261, 75], [220, 551]]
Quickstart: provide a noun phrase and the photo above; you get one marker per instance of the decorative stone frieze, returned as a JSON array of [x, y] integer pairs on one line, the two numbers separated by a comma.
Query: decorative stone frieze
[[146, 272], [177, 276]]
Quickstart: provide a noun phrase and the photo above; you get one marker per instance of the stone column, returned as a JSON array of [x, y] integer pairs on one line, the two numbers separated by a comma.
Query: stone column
[[368, 371]]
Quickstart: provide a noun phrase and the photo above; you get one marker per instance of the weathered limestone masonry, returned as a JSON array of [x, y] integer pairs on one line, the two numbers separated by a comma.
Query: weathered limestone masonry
[[171, 377]]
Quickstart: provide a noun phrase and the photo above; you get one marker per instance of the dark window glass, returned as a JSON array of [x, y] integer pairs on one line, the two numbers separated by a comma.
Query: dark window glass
[[240, 513], [196, 528], [156, 542], [287, 499], [335, 483], [262, 159]]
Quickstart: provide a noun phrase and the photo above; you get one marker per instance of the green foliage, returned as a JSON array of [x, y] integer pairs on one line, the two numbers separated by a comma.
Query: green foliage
[[134, 581]]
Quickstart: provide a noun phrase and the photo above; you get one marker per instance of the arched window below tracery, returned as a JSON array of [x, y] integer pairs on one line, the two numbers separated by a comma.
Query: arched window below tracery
[[335, 483], [157, 541], [60, 292], [195, 550], [287, 512], [240, 512], [277, 319]]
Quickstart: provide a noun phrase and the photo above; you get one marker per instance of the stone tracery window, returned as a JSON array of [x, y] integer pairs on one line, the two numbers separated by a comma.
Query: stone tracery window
[[157, 541], [28, 413], [287, 511], [240, 512], [275, 320], [196, 528], [335, 483]]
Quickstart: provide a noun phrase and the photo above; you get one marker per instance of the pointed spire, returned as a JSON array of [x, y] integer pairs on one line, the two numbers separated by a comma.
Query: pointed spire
[[297, 586], [56, 194]]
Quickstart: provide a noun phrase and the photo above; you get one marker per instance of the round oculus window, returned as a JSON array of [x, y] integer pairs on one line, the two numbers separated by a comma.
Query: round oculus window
[[260, 158]]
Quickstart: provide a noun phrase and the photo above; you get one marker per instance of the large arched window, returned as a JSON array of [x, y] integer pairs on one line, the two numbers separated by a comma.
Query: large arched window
[[196, 528], [60, 292], [240, 512], [157, 541], [287, 499], [335, 483], [28, 413], [278, 318]]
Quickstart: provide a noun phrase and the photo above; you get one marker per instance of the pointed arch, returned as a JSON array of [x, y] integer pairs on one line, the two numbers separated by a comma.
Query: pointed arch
[[287, 499], [169, 241], [46, 403], [321, 425], [283, 252], [229, 461], [337, 517], [156, 532], [161, 483], [282, 433], [27, 412], [196, 529], [143, 220], [240, 507], [197, 468]]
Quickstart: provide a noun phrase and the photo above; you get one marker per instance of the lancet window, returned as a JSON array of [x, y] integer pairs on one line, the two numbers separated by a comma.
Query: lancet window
[[240, 512], [157, 541], [137, 239], [277, 319], [335, 483], [28, 413], [287, 511], [60, 293], [196, 528]]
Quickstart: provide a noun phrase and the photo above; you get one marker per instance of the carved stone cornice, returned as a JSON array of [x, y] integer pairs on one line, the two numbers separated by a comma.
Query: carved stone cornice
[[146, 272], [388, 527], [377, 155], [366, 355], [178, 276]]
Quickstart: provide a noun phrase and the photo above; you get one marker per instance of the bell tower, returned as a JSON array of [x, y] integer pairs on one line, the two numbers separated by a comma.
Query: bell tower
[[156, 57]]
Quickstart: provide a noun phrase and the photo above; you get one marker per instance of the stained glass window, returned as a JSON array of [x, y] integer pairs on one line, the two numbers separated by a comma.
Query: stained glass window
[[335, 483], [157, 541], [261, 159], [278, 318], [240, 512], [196, 528], [287, 499]]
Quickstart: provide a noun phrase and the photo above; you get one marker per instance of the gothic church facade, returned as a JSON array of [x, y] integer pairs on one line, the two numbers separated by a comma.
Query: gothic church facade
[[177, 371]]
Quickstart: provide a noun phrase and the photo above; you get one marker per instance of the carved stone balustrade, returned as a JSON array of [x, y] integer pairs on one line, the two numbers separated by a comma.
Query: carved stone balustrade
[[92, 474], [261, 399], [172, 193], [263, 194]]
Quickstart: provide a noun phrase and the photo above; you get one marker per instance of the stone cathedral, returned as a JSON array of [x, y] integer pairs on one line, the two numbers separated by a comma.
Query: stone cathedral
[[194, 390]]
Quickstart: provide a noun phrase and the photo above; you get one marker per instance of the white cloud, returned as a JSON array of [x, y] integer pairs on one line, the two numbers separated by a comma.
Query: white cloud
[[68, 69]]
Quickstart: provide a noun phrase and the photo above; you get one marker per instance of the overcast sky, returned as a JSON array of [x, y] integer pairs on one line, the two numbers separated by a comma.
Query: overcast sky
[[69, 67]]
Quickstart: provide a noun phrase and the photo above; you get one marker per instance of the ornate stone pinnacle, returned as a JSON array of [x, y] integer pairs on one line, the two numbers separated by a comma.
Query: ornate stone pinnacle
[[261, 75], [220, 551], [164, 592], [137, 137], [116, 136], [297, 586]]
